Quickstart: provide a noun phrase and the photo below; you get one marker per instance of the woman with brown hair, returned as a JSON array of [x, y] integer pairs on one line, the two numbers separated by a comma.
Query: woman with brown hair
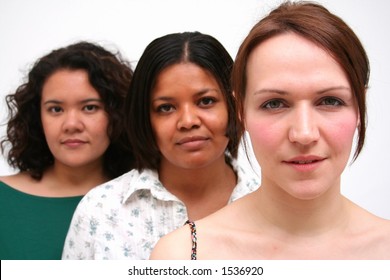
[[301, 77], [65, 136]]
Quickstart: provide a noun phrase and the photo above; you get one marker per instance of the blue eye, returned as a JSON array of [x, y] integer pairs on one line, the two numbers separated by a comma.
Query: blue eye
[[331, 101], [273, 104]]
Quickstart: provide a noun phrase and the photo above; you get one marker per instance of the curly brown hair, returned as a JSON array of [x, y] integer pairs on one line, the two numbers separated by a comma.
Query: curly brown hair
[[108, 73]]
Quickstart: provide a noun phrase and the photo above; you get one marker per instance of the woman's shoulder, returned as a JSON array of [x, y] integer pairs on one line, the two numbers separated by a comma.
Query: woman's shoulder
[[175, 245], [377, 239], [212, 231], [371, 232], [111, 194], [115, 185], [380, 227], [367, 220], [20, 181]]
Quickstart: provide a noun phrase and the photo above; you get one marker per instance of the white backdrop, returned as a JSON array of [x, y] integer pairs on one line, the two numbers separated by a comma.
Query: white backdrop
[[29, 29]]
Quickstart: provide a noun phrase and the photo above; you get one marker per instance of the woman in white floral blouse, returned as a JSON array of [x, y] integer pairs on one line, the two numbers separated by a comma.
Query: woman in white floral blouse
[[182, 122]]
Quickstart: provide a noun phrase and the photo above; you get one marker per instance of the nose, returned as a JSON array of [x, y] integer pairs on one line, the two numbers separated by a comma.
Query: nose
[[72, 122], [188, 118], [304, 127]]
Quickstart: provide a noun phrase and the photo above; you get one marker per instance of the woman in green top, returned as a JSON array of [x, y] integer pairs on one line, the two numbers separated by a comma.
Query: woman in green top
[[65, 136]]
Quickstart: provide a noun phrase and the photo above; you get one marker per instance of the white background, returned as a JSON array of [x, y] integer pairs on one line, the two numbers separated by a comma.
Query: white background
[[30, 29]]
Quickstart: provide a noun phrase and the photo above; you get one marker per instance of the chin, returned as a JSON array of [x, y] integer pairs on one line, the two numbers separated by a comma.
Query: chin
[[307, 192], [195, 164], [309, 195]]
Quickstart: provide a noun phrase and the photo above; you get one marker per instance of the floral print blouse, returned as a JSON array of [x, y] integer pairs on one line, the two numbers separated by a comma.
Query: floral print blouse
[[125, 217]]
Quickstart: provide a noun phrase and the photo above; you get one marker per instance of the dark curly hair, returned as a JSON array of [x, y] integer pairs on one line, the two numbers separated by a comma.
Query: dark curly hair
[[108, 73]]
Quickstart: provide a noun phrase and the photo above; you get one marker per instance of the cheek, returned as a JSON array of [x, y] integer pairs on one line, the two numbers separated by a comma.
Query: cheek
[[220, 124], [343, 133], [100, 127], [158, 129], [217, 120], [50, 129], [265, 138]]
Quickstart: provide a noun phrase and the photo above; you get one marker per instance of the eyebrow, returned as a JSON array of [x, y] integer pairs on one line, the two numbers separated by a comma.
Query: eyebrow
[[282, 92], [54, 101], [199, 93], [270, 90], [334, 88]]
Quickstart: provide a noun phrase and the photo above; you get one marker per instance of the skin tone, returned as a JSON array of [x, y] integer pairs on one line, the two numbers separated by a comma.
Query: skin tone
[[301, 116], [299, 130], [189, 120], [75, 127]]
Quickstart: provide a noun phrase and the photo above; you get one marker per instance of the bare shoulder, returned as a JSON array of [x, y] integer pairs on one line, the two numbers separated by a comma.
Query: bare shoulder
[[382, 229], [176, 245], [371, 223], [373, 235], [18, 181], [380, 239]]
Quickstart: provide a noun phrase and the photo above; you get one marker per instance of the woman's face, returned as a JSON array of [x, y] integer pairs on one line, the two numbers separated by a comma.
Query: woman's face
[[74, 120], [189, 117], [301, 116]]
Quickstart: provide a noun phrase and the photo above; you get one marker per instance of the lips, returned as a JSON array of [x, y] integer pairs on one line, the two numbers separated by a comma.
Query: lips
[[305, 163], [186, 140], [305, 159], [193, 143], [73, 142]]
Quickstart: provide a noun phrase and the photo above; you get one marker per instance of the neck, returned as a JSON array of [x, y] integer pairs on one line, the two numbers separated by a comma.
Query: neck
[[74, 181], [298, 216], [203, 190]]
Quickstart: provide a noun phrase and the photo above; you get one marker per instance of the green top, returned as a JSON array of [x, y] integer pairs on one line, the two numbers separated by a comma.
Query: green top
[[33, 227]]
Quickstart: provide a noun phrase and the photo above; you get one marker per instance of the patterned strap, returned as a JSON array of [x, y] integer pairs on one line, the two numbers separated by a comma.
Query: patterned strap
[[193, 238]]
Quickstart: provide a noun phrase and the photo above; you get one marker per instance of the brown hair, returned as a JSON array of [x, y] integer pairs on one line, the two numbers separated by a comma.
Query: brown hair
[[315, 23], [108, 73]]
